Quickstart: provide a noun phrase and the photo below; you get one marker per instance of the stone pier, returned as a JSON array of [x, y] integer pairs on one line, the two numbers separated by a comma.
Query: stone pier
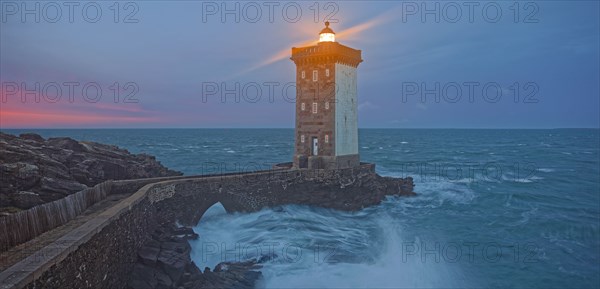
[[101, 252]]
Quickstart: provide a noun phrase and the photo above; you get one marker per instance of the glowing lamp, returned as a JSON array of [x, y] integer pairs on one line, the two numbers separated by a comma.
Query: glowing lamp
[[327, 35]]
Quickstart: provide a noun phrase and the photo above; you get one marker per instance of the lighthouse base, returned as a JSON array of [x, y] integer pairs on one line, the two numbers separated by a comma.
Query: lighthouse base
[[326, 162]]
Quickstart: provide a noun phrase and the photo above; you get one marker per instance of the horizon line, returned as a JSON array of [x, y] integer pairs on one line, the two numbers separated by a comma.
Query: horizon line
[[151, 128]]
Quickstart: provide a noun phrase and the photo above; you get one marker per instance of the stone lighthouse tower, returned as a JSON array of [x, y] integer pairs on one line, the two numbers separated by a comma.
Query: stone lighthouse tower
[[326, 104]]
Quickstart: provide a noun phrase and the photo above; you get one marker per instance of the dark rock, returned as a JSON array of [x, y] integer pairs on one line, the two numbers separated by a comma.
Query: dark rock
[[174, 269], [27, 175], [58, 167], [142, 277], [149, 253], [66, 143], [32, 136], [26, 199], [193, 268], [173, 258], [163, 280], [185, 233], [167, 255], [60, 186], [230, 275]]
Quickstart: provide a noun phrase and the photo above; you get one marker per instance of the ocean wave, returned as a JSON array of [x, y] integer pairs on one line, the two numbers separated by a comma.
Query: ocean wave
[[464, 180], [525, 217], [437, 193], [527, 180], [321, 248]]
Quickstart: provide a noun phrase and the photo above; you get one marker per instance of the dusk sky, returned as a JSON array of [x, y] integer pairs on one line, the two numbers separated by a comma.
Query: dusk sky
[[548, 51]]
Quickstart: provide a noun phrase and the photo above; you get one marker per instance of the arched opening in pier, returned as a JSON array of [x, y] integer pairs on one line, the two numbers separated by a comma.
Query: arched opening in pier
[[214, 211], [208, 209]]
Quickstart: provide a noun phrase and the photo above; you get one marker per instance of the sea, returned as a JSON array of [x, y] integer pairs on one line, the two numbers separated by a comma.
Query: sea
[[496, 208]]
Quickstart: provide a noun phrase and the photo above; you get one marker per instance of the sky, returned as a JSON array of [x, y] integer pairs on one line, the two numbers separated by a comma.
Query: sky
[[203, 64]]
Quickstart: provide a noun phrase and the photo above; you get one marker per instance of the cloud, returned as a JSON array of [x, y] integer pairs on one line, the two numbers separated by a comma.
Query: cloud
[[15, 113], [366, 106]]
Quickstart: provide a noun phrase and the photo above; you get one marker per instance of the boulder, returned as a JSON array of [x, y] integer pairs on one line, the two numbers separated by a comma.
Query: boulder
[[149, 253], [32, 136], [142, 277], [66, 143], [173, 258], [26, 200]]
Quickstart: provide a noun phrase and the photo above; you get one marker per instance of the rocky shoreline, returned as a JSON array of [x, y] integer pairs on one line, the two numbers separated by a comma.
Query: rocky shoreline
[[35, 170], [164, 262]]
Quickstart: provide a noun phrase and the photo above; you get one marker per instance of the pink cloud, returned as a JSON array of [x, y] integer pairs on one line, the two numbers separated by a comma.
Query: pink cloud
[[44, 114]]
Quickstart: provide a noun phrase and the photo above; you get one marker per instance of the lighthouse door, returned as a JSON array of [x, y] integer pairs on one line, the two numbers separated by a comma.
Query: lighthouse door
[[315, 146]]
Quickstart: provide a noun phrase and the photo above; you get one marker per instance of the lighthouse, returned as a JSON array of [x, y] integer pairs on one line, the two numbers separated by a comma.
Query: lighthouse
[[326, 135]]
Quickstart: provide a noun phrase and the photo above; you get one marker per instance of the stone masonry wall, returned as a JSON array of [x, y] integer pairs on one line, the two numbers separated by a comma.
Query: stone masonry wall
[[107, 258]]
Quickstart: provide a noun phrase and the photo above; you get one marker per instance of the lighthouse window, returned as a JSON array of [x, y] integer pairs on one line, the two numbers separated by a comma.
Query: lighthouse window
[[302, 138], [326, 105], [303, 74], [314, 107], [315, 75], [303, 106], [327, 72], [326, 138]]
